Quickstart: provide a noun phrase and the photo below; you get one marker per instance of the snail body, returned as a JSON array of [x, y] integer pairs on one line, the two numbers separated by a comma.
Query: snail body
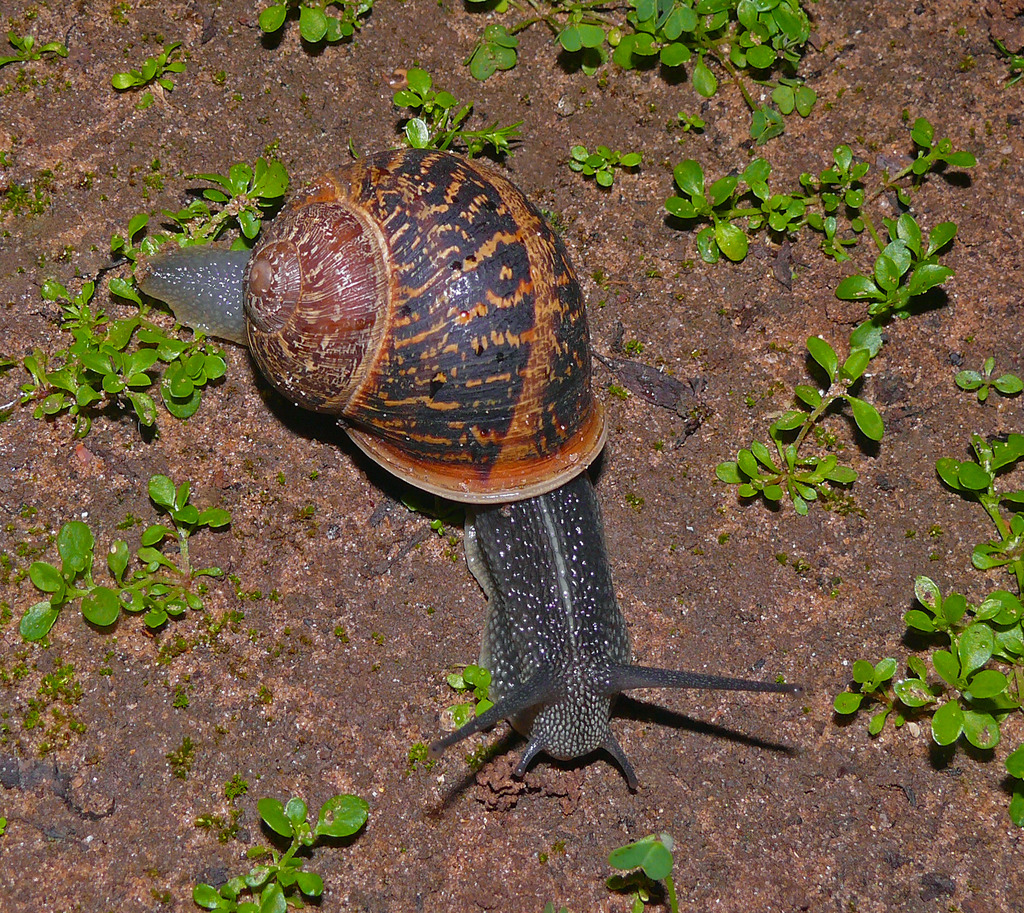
[[425, 302], [555, 640]]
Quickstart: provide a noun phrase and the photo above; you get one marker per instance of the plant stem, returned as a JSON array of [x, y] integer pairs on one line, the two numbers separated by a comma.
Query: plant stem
[[670, 887], [826, 401], [724, 63], [186, 568]]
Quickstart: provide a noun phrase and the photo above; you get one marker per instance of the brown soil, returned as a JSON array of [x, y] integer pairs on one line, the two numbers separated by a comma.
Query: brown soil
[[772, 803]]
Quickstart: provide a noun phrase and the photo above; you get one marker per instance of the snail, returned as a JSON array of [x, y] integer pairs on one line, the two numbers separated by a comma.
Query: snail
[[421, 299]]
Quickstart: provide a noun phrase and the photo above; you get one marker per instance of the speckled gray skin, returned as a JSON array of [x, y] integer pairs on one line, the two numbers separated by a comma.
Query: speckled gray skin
[[203, 287], [555, 641]]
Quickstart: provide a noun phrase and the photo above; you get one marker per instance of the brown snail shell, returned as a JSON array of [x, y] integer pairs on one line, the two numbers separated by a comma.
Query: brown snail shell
[[422, 299]]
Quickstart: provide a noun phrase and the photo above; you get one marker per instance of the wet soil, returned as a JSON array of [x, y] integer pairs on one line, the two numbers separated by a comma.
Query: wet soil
[[321, 659]]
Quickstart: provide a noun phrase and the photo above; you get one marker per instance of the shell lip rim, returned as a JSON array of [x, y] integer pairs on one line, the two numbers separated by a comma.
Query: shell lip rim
[[504, 482]]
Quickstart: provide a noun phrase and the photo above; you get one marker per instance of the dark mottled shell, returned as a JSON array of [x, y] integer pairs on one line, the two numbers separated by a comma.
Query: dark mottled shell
[[426, 302]]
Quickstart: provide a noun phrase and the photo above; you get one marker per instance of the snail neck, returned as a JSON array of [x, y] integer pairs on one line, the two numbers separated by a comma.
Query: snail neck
[[203, 286]]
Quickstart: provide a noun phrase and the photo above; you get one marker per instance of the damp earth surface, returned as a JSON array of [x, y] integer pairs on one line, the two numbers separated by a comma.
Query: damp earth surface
[[319, 659]]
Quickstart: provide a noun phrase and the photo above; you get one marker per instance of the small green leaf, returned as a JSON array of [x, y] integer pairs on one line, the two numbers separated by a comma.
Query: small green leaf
[[728, 472], [877, 722], [312, 24], [953, 608], [37, 621], [857, 288], [856, 364], [975, 478], [914, 692], [213, 517], [863, 672], [919, 620], [47, 578], [947, 723], [703, 80], [271, 19], [117, 559], [101, 606], [732, 241], [295, 811], [987, 683], [947, 666], [417, 133], [949, 471], [272, 812], [1015, 763], [309, 883], [980, 729], [975, 648], [155, 533], [161, 491], [341, 816], [1016, 809], [272, 900], [761, 57], [884, 670], [650, 854], [790, 420], [824, 355], [807, 394], [926, 276], [203, 894], [867, 418], [763, 455], [689, 176], [75, 543], [940, 236], [847, 702], [922, 132]]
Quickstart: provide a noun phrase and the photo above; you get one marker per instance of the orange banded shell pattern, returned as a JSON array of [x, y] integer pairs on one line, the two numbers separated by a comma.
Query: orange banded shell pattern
[[422, 299]]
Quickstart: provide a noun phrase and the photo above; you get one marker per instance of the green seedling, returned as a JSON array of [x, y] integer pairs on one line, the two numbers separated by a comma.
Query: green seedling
[[241, 200], [979, 656], [977, 697], [831, 203], [26, 49], [1016, 62], [180, 760], [438, 120], [112, 364], [160, 586], [758, 471], [649, 861], [601, 164], [688, 122], [317, 20], [709, 37], [496, 50], [282, 882], [872, 681], [983, 382], [977, 480], [474, 679], [155, 69], [906, 268]]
